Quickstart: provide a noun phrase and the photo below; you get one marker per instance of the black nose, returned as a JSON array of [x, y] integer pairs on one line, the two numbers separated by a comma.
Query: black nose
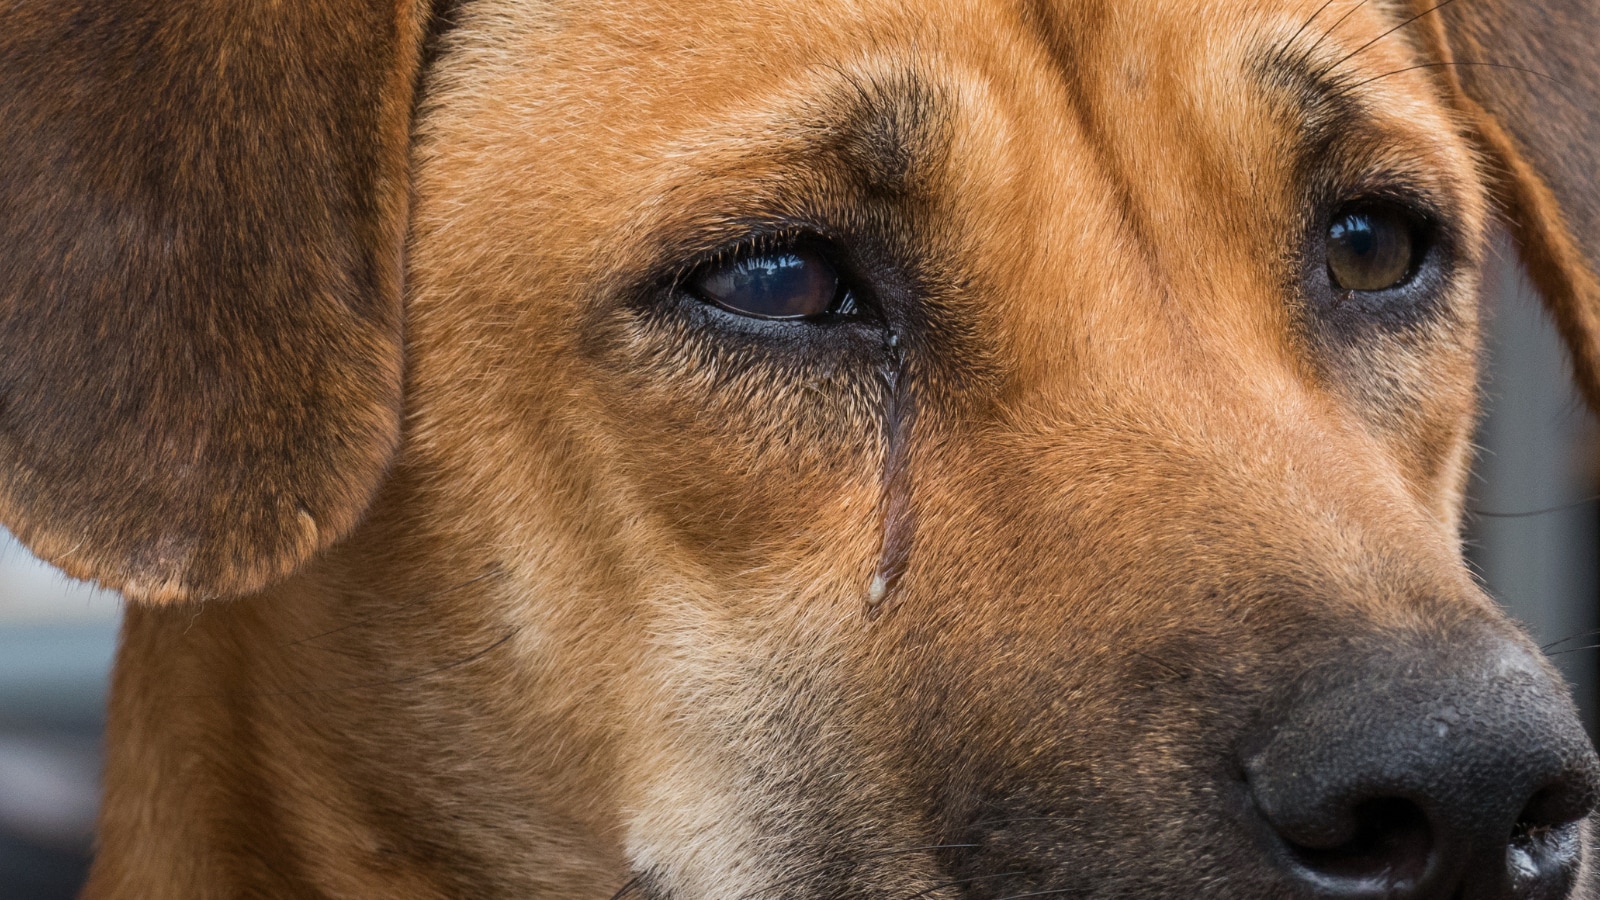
[[1460, 777]]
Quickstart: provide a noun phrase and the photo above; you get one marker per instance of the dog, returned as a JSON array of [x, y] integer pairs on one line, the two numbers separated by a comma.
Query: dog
[[877, 449]]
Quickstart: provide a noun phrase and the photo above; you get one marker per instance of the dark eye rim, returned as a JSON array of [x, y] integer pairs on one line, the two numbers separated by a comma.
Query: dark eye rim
[[854, 302], [1426, 300]]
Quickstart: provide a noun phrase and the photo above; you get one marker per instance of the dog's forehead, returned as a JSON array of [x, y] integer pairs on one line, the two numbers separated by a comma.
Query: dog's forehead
[[608, 104], [684, 62], [1092, 123]]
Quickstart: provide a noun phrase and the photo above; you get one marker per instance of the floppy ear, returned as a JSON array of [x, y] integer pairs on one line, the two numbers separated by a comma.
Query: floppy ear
[[1529, 75], [202, 206]]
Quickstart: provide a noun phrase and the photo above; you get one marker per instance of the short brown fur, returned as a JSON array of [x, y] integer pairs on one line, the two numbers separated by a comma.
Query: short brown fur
[[973, 598]]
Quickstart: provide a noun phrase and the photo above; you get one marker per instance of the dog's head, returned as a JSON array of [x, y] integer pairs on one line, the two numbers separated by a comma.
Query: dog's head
[[874, 449]]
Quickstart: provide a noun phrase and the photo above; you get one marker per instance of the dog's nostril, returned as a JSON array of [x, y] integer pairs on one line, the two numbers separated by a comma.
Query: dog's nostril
[[1545, 845], [1388, 848], [1391, 848], [1556, 805], [1428, 783]]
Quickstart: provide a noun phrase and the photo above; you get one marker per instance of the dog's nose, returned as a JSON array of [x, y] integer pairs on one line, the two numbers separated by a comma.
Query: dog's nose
[[1422, 781]]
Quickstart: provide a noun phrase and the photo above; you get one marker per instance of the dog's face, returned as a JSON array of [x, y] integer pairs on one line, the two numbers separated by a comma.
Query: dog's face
[[1099, 451], [971, 449]]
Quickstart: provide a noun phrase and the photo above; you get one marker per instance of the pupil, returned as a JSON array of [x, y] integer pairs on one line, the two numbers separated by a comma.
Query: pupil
[[1357, 234], [1372, 248], [770, 281], [790, 284]]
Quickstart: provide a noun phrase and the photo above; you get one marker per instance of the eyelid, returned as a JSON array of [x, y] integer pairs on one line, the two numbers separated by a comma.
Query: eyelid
[[749, 242], [822, 241], [1432, 205]]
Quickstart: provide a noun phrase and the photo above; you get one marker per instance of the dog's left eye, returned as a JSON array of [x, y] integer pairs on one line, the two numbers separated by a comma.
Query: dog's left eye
[[1374, 246], [794, 283]]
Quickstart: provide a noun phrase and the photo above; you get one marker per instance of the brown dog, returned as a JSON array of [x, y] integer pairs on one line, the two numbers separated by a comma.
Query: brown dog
[[878, 449]]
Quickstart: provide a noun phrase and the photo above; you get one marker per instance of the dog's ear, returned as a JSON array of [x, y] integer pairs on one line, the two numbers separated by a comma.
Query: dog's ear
[[202, 207], [1528, 73]]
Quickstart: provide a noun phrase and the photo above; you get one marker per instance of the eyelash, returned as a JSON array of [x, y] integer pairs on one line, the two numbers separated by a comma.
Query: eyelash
[[752, 245], [852, 303]]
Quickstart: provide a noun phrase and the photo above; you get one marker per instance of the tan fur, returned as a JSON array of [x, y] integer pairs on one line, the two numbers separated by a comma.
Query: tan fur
[[609, 614]]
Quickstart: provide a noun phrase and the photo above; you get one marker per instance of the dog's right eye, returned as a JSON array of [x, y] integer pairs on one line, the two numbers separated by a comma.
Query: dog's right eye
[[791, 283]]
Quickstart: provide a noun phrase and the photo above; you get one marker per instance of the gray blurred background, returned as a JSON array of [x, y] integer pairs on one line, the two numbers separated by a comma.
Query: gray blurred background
[[56, 642], [1534, 526], [1534, 538]]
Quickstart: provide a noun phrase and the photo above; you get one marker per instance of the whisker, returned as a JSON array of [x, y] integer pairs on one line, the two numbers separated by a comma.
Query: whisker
[[1570, 637], [1306, 24], [1532, 512], [1329, 33], [1573, 650], [1363, 47], [1054, 892]]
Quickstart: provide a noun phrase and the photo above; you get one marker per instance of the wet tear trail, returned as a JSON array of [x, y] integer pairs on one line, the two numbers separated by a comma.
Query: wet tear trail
[[899, 514]]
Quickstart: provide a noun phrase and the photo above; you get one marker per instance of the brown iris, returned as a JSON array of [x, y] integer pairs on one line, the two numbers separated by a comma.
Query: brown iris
[[1373, 246], [783, 284]]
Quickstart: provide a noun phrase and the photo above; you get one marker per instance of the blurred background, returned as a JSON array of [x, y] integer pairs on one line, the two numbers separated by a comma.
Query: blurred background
[[57, 638], [1533, 525], [1534, 533]]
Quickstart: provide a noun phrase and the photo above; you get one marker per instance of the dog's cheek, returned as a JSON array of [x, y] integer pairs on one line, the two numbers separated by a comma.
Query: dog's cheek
[[1417, 393], [759, 467]]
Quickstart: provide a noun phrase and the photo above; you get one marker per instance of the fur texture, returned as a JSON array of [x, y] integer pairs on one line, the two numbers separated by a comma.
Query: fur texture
[[996, 590]]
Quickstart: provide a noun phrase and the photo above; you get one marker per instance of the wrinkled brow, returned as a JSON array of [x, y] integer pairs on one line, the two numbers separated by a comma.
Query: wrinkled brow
[[891, 133], [1325, 104], [1337, 125]]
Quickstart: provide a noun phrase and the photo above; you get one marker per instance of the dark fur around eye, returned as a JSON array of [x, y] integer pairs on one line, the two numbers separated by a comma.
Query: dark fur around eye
[[1377, 260]]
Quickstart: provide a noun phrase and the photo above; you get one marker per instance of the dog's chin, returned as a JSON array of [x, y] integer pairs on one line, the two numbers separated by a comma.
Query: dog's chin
[[1527, 865]]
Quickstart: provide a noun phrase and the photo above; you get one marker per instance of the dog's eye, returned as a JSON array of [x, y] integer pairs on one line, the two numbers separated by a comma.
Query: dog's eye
[[1374, 246], [783, 284]]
